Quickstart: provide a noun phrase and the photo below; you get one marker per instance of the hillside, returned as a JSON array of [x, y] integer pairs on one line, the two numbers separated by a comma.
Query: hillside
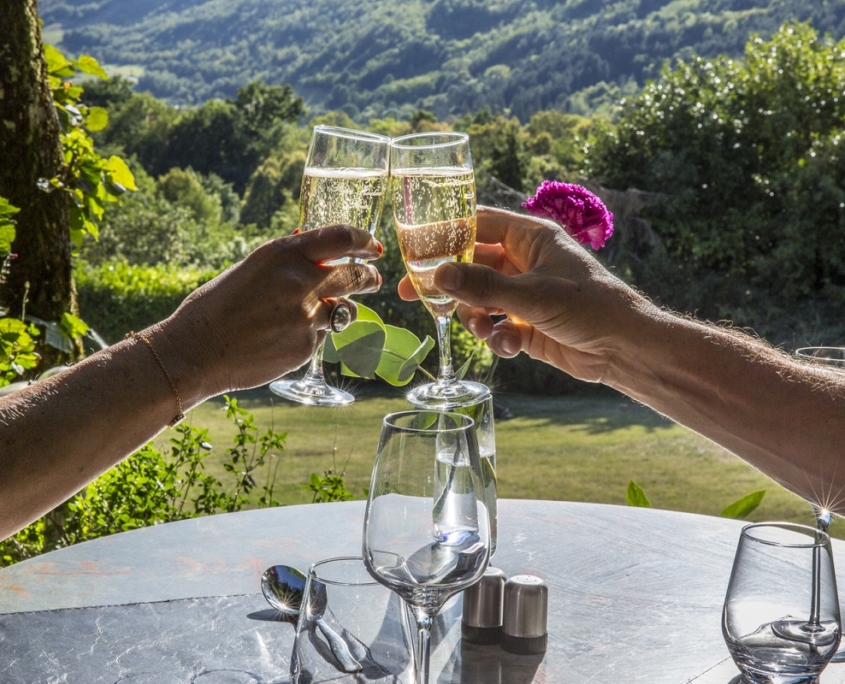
[[394, 56]]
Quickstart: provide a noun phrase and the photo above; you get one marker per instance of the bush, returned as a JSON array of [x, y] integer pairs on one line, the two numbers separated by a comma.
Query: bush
[[116, 297]]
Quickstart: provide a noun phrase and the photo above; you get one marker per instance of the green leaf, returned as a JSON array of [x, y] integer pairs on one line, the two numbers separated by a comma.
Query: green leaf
[[7, 236], [72, 326], [359, 347], [462, 371], [57, 63], [53, 334], [399, 346], [97, 119], [88, 65], [329, 351], [744, 506], [407, 370], [120, 173], [636, 496], [7, 209]]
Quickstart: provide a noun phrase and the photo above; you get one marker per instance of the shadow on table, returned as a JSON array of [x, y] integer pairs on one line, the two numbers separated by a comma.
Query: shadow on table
[[489, 665]]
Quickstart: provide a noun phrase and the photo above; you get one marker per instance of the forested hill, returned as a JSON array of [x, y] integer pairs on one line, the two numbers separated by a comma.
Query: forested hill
[[387, 57]]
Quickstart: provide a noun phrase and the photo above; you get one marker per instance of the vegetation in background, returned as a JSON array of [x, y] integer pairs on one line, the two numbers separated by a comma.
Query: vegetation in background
[[393, 57]]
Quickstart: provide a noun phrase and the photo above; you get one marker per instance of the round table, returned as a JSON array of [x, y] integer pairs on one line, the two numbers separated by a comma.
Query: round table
[[635, 595]]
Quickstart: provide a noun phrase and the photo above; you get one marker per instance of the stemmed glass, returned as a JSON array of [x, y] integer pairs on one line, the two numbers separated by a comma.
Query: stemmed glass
[[344, 182], [835, 357], [781, 614], [426, 526], [433, 191]]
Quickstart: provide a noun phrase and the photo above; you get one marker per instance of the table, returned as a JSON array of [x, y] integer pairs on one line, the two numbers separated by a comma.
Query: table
[[635, 595]]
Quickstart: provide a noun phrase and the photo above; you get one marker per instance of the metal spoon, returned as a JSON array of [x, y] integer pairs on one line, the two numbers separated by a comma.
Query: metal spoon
[[284, 588]]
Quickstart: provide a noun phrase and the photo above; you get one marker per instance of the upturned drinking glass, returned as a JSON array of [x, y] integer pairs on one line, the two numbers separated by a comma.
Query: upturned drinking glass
[[351, 629], [426, 525], [781, 613], [344, 182], [433, 192]]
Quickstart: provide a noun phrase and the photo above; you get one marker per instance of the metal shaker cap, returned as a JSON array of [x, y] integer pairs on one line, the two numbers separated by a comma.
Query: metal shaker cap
[[525, 618], [483, 608]]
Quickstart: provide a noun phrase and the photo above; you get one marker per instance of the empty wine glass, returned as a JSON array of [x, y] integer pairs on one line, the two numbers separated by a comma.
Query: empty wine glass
[[781, 613], [433, 192], [481, 413], [344, 182], [426, 526], [350, 629], [834, 357]]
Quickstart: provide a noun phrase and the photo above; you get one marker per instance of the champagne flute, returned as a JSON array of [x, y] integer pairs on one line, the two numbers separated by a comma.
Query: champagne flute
[[433, 192], [834, 357], [426, 526], [344, 182]]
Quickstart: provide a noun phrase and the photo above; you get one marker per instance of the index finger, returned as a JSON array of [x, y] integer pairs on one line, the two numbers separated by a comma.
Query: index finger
[[336, 242]]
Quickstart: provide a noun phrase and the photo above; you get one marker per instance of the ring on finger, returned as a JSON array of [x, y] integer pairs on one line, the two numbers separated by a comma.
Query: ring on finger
[[341, 316]]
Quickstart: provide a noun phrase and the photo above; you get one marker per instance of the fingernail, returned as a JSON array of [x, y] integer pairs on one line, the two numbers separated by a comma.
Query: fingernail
[[380, 279], [380, 248], [472, 323], [296, 232], [451, 277], [510, 345]]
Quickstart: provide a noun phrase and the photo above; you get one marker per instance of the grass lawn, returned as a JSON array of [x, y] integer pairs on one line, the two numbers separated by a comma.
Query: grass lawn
[[576, 449]]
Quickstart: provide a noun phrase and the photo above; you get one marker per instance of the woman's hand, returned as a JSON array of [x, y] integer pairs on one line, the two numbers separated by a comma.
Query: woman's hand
[[562, 306], [264, 317]]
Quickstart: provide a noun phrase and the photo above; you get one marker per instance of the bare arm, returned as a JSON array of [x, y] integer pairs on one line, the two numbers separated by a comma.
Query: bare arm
[[253, 323], [781, 415]]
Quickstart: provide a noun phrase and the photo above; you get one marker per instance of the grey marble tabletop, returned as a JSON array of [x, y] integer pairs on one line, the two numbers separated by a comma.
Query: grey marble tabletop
[[635, 595]]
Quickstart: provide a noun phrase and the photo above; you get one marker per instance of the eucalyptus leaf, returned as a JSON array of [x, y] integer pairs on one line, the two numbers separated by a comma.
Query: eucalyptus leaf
[[636, 496], [462, 371], [329, 351], [359, 347], [399, 346], [409, 367], [745, 506]]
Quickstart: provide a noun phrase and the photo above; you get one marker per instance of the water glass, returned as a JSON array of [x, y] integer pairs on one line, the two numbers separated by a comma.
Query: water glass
[[351, 629], [781, 614]]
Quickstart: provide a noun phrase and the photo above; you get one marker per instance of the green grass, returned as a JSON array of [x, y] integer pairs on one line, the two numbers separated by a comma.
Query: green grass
[[573, 449]]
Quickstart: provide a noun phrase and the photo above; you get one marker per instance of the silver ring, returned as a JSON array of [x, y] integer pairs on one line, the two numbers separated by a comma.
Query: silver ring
[[341, 317]]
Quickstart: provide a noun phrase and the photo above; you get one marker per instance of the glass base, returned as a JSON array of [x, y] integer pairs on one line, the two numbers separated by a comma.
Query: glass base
[[442, 397], [311, 393]]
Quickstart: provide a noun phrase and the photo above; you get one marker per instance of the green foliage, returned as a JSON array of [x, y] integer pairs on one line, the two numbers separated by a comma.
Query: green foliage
[[150, 487], [395, 57], [7, 227], [89, 180], [330, 487], [116, 297], [636, 496], [738, 510], [747, 157], [17, 349]]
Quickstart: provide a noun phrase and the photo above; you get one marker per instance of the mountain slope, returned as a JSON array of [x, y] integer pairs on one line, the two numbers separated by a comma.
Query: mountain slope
[[394, 56]]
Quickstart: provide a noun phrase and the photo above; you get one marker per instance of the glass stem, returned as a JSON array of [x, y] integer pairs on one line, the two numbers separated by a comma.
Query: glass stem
[[315, 368], [423, 644], [815, 597], [446, 375]]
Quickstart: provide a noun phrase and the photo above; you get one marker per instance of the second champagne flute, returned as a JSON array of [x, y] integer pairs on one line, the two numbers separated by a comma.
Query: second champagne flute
[[344, 182], [433, 192]]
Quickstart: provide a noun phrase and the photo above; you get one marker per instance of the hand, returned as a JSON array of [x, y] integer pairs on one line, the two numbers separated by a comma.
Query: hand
[[264, 317], [562, 306]]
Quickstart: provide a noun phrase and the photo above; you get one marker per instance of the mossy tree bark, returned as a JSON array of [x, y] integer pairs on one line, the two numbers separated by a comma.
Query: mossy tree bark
[[30, 150]]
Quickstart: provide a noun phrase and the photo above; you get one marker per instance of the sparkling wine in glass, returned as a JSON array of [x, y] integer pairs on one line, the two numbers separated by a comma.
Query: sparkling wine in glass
[[426, 526], [433, 192], [345, 182]]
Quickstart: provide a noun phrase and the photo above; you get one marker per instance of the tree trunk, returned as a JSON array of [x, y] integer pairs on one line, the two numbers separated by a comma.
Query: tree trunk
[[41, 275]]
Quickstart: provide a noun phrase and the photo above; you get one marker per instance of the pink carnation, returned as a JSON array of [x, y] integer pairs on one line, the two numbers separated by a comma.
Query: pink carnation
[[579, 211]]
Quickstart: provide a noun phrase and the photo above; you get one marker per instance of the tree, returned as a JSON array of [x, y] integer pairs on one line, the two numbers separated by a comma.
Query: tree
[[40, 278]]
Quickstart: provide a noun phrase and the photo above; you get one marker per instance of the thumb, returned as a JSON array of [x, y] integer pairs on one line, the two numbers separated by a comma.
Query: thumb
[[481, 286]]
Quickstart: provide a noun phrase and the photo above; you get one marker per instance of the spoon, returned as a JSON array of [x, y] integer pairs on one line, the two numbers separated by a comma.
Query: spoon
[[284, 588]]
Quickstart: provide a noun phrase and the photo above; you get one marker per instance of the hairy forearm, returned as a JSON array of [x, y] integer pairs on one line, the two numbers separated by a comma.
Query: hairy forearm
[[783, 416], [59, 434]]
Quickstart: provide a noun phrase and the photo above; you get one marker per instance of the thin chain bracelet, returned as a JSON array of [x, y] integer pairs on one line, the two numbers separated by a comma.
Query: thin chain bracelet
[[181, 415]]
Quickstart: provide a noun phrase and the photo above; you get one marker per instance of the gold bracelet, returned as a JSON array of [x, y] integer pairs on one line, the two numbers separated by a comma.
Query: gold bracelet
[[181, 415]]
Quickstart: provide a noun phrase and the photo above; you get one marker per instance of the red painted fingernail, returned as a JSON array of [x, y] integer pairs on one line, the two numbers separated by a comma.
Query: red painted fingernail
[[296, 232], [380, 248]]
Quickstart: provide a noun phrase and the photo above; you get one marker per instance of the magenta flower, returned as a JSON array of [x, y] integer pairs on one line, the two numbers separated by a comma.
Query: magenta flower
[[579, 211]]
